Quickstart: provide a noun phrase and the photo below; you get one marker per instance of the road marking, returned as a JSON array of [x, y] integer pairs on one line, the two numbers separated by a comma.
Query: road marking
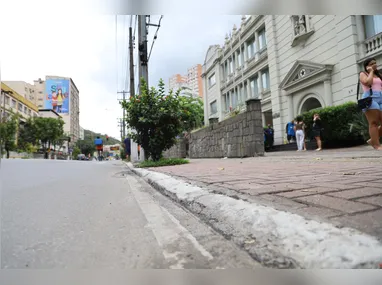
[[166, 228]]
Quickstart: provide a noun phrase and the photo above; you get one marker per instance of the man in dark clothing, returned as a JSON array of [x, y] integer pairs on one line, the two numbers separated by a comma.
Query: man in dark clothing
[[270, 135], [291, 135], [127, 143]]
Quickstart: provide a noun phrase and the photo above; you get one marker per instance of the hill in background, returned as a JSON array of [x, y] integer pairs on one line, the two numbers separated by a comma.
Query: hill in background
[[90, 136]]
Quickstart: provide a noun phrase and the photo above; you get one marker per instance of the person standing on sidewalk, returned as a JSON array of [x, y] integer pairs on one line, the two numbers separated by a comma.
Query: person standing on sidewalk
[[371, 80], [291, 135], [300, 135], [317, 128]]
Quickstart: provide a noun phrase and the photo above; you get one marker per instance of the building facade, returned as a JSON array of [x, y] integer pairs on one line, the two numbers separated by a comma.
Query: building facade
[[71, 115], [192, 82], [24, 89], [13, 103], [292, 63], [82, 133], [177, 82], [194, 79]]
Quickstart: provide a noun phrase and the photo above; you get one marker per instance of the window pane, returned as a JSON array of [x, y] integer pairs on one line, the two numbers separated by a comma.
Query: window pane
[[254, 88], [262, 39], [265, 80], [234, 99], [214, 109], [211, 80], [251, 48], [239, 59], [373, 25]]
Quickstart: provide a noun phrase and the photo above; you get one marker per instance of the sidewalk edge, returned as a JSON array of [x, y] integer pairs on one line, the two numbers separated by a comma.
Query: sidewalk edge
[[272, 237]]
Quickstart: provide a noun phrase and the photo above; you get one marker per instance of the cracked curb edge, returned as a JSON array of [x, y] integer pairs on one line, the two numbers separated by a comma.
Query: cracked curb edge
[[279, 239]]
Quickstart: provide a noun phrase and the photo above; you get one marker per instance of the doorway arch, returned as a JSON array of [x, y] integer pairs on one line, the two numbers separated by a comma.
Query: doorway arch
[[310, 104]]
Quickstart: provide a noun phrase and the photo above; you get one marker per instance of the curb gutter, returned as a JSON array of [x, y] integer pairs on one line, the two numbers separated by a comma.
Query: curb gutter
[[274, 238]]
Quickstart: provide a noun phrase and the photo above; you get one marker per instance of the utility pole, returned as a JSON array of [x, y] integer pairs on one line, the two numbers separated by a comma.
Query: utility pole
[[123, 118], [121, 125], [142, 47], [132, 83]]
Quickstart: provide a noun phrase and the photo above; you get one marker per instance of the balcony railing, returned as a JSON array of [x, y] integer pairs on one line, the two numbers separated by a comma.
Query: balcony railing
[[374, 44]]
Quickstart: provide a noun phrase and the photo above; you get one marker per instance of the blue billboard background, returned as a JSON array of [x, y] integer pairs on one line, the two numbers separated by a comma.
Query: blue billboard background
[[57, 95]]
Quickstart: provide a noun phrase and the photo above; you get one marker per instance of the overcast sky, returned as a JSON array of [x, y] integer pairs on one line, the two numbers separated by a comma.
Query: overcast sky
[[85, 48]]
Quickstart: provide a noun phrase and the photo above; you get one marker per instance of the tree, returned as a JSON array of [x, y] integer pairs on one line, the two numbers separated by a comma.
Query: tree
[[76, 152], [27, 136], [8, 130], [192, 116], [156, 119], [48, 131], [86, 146]]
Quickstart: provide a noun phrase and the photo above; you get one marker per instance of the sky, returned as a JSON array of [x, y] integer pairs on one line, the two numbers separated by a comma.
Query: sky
[[93, 51]]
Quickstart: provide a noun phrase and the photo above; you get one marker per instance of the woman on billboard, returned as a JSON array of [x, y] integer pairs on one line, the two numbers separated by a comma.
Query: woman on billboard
[[60, 100]]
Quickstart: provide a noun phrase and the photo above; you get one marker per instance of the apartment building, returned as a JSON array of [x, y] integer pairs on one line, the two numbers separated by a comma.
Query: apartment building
[[24, 89], [32, 92], [194, 79], [292, 64], [82, 133], [191, 83], [69, 109], [177, 82], [12, 102]]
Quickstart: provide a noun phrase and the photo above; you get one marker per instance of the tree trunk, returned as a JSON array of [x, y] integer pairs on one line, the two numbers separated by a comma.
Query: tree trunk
[[7, 150]]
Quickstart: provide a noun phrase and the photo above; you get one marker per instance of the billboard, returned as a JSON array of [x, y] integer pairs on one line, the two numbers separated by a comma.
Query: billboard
[[57, 95]]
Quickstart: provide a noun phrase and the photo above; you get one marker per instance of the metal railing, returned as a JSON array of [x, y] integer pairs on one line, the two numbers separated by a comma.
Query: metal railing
[[373, 44]]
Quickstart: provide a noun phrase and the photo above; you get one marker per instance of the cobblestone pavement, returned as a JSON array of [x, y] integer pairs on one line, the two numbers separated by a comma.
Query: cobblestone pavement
[[339, 186]]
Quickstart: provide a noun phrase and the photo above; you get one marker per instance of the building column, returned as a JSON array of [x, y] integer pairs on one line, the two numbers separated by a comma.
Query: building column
[[263, 118], [328, 93], [361, 34], [257, 45], [260, 84], [249, 91], [245, 58], [219, 98], [236, 61], [291, 111], [205, 101]]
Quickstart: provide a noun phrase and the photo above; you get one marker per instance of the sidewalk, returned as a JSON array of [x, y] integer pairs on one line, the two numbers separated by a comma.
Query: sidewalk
[[340, 187]]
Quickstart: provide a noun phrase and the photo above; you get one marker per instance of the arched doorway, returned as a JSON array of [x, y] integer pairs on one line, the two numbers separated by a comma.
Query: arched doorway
[[310, 104]]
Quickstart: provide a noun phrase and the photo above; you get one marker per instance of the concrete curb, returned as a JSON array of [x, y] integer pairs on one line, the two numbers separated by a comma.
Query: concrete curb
[[274, 238]]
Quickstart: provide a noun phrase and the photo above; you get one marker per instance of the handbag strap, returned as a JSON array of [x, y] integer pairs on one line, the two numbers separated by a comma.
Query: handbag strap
[[370, 92]]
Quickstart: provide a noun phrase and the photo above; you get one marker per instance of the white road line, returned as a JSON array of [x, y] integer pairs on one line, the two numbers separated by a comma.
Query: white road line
[[174, 239]]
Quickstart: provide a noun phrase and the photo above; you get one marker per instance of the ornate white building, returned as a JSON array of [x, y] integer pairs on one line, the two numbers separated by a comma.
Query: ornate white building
[[292, 63]]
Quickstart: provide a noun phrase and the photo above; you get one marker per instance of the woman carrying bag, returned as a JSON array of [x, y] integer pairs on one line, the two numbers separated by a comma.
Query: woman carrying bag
[[371, 102]]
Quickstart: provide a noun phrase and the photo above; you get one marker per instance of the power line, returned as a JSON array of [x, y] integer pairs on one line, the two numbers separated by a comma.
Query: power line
[[155, 37], [125, 54], [135, 27], [116, 48]]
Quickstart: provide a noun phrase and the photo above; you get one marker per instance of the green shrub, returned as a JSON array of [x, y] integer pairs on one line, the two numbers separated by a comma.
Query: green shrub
[[343, 125], [162, 162]]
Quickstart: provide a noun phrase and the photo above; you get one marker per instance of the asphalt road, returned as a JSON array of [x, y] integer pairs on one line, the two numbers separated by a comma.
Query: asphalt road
[[98, 215]]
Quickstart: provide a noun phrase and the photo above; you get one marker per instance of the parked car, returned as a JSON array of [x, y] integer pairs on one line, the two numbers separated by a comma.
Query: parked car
[[81, 157]]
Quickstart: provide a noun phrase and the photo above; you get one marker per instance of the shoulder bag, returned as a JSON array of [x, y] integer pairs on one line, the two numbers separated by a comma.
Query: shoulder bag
[[364, 103]]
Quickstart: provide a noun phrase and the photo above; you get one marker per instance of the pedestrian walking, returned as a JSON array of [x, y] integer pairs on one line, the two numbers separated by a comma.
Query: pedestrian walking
[[371, 81], [300, 135], [317, 131]]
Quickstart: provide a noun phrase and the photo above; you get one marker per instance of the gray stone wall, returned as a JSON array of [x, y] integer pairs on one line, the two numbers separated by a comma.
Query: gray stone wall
[[239, 136], [177, 151]]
